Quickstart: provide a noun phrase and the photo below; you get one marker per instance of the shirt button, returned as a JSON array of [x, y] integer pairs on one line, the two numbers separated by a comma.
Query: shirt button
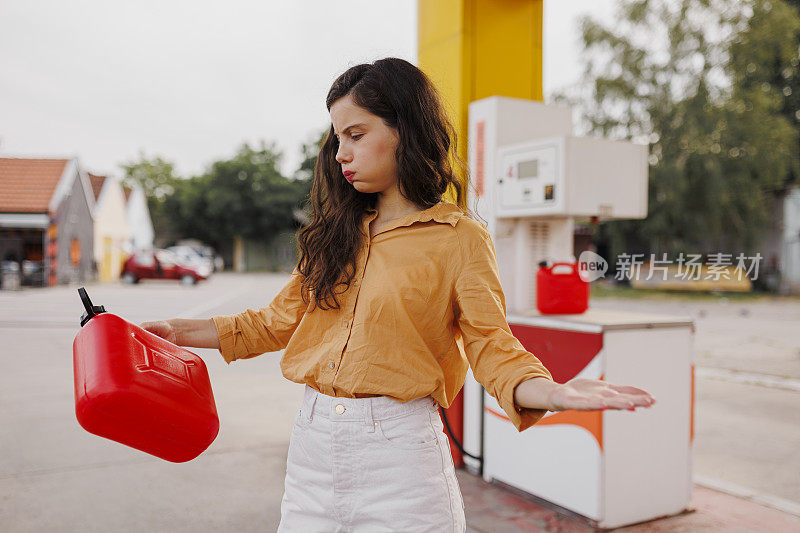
[[355, 282], [331, 365], [339, 409]]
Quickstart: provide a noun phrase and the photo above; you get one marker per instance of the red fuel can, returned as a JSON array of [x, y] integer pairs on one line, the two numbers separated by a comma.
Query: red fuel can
[[140, 390], [560, 290]]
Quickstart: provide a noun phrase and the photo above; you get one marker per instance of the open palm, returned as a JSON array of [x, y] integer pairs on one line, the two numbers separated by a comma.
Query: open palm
[[590, 395]]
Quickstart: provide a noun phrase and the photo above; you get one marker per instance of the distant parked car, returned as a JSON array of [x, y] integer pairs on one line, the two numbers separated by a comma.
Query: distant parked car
[[205, 251], [189, 256], [209, 252], [10, 278], [159, 264], [33, 273]]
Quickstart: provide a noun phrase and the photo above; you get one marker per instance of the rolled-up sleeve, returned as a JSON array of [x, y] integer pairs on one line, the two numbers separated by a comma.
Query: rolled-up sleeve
[[498, 360], [254, 332]]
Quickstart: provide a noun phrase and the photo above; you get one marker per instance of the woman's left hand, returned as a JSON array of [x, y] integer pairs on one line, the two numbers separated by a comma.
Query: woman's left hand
[[591, 395]]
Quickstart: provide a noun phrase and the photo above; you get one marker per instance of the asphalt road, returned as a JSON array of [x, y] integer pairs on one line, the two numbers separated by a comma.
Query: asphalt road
[[747, 392], [54, 476]]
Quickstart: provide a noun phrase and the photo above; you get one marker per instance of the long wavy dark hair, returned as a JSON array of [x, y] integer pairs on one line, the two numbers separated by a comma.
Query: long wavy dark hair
[[403, 96]]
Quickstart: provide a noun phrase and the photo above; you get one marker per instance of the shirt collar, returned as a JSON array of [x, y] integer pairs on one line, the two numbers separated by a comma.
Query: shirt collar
[[444, 212]]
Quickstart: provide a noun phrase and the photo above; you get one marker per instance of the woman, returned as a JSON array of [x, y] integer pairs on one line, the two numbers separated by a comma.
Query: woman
[[395, 294]]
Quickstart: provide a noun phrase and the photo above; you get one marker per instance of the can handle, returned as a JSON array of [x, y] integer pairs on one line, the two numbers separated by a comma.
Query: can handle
[[569, 265], [91, 310]]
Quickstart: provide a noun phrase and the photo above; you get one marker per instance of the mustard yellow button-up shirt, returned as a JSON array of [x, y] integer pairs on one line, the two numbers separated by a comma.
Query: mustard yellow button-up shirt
[[425, 302]]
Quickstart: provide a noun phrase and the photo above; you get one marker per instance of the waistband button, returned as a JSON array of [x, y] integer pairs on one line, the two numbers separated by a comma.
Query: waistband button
[[339, 409]]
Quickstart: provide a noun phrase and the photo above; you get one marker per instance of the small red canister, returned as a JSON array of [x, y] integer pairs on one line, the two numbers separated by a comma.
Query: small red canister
[[140, 390], [560, 290]]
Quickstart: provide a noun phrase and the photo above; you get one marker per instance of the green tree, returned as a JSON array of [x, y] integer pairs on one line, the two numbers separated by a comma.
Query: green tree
[[245, 196], [155, 175], [309, 151], [680, 75], [769, 65], [157, 178]]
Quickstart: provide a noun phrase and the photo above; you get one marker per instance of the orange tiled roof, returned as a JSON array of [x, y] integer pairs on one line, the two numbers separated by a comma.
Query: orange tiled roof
[[97, 184], [27, 185]]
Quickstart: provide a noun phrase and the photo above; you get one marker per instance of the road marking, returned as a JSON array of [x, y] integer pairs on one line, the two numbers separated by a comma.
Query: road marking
[[203, 308], [761, 498], [750, 378]]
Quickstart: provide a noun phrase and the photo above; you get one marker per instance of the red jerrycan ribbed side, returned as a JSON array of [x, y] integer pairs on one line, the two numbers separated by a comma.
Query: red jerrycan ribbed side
[[140, 390], [560, 289]]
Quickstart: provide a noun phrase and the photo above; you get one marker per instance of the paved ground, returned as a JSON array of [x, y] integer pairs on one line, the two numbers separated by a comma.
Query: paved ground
[[54, 476], [758, 336], [492, 509], [747, 424]]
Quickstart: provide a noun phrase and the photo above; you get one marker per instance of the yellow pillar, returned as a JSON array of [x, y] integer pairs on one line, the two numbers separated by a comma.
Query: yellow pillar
[[473, 49]]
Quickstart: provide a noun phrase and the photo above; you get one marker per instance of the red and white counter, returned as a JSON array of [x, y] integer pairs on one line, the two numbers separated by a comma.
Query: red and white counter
[[613, 467]]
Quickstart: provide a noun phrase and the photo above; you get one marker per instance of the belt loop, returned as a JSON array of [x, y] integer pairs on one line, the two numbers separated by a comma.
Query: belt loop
[[368, 420], [311, 404]]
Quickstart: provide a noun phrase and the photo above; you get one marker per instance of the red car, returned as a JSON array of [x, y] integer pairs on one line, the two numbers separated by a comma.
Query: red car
[[158, 264]]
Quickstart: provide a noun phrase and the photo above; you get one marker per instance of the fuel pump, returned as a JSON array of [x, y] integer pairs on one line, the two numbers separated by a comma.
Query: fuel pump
[[535, 180]]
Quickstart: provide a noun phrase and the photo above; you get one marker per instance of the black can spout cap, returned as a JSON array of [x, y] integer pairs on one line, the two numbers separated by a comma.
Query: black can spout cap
[[91, 310]]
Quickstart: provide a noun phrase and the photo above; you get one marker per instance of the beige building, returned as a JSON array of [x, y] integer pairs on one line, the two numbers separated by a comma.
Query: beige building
[[112, 234]]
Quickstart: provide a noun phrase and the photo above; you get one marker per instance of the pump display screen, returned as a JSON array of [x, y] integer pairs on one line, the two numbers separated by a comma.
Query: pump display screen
[[528, 169], [528, 177]]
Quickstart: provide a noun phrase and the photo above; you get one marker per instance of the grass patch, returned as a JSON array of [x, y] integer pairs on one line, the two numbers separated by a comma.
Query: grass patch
[[608, 290]]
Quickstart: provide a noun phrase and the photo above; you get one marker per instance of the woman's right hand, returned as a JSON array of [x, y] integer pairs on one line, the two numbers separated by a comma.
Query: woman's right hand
[[162, 328], [191, 332]]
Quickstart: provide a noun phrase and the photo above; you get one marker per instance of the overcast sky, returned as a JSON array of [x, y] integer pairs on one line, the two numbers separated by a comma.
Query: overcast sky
[[191, 80]]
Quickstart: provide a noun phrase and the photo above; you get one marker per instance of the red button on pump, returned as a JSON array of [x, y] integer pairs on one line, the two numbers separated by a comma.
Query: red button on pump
[[140, 390]]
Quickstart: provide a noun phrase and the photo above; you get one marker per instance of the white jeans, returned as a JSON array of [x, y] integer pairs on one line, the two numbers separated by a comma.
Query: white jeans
[[368, 465]]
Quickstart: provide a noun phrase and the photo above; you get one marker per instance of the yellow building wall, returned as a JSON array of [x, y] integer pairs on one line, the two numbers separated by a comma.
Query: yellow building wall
[[473, 49], [112, 236]]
